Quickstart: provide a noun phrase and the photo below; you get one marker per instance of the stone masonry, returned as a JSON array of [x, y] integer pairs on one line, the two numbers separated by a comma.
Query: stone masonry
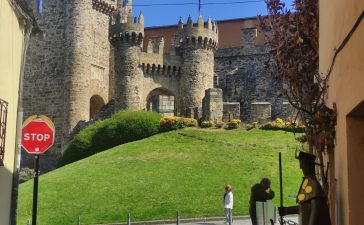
[[247, 74], [89, 62], [184, 73], [67, 65]]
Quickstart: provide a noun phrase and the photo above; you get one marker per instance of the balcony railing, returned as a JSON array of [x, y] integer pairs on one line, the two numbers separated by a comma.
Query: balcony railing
[[3, 117]]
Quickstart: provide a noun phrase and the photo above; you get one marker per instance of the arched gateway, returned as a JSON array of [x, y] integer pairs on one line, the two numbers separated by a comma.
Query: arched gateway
[[96, 103], [162, 101]]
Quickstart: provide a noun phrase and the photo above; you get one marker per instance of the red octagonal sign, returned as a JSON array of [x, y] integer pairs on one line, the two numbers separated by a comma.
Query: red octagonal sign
[[37, 134]]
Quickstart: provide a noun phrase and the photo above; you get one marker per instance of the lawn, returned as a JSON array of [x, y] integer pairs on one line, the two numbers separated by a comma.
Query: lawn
[[184, 170]]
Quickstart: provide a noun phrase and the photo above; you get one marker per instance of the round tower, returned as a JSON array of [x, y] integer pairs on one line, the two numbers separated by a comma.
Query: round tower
[[87, 60], [198, 44], [126, 34], [77, 48]]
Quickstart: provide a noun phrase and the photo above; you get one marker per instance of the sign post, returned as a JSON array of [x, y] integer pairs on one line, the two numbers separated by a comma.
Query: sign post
[[37, 137]]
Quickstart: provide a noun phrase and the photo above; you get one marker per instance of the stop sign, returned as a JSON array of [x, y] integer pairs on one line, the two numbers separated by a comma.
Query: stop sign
[[37, 134]]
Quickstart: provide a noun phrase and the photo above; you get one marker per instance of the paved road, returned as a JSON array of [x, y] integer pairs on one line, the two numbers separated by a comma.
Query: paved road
[[239, 221]]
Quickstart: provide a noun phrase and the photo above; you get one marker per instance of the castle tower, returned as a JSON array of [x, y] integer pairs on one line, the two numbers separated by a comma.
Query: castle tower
[[87, 61], [198, 44], [126, 9], [66, 75], [126, 36]]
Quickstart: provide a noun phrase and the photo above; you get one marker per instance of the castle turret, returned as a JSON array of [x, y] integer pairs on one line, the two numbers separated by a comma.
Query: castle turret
[[126, 38], [125, 8], [87, 60], [198, 44]]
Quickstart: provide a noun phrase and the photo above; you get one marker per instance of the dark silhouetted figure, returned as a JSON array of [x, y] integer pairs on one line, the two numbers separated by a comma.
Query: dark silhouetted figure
[[259, 193], [311, 199]]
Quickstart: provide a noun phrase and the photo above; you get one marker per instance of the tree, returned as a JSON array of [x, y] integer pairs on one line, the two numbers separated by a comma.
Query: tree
[[293, 41]]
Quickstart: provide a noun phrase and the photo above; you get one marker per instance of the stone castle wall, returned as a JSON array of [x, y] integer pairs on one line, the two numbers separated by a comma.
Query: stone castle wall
[[46, 87], [246, 75], [66, 65], [185, 73], [87, 59]]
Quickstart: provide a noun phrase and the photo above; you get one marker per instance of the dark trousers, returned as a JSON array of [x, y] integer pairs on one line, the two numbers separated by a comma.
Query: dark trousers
[[254, 220], [253, 217]]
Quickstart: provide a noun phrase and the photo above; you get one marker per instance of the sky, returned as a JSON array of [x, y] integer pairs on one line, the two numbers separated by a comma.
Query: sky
[[167, 12]]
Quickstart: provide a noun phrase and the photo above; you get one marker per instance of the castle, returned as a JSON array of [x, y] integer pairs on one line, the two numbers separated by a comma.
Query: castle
[[142, 79], [89, 62]]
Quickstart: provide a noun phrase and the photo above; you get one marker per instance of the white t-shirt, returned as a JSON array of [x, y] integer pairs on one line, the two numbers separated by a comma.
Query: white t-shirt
[[228, 200]]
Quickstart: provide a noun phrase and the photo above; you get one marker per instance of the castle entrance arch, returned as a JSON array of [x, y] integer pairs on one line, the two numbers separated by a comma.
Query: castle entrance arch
[[96, 103], [162, 101]]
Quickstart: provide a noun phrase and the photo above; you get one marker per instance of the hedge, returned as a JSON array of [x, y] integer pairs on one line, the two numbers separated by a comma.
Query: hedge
[[123, 127]]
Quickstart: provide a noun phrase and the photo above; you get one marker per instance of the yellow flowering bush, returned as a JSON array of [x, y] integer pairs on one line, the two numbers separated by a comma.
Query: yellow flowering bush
[[190, 122], [220, 124], [174, 122], [280, 124], [207, 124], [233, 124]]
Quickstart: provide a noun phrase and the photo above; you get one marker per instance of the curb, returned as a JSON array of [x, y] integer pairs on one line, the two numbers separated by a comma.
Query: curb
[[190, 220]]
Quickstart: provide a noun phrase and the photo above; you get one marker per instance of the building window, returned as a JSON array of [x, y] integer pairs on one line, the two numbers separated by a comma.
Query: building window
[[3, 115]]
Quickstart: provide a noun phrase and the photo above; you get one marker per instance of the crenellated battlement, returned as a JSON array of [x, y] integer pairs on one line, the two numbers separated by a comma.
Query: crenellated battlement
[[188, 69], [124, 27], [103, 7], [155, 63], [205, 35], [155, 45]]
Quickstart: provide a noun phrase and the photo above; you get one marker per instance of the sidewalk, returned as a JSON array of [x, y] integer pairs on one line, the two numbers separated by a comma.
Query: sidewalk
[[238, 220]]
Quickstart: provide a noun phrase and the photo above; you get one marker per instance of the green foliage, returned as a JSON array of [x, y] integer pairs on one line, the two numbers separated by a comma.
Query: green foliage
[[123, 127], [233, 124], [190, 122], [220, 124], [174, 123], [184, 170], [250, 126], [280, 124], [207, 124], [171, 123]]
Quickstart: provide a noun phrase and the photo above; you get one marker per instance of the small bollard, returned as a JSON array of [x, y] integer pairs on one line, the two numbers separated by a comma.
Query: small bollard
[[178, 218], [79, 220], [129, 219], [230, 217]]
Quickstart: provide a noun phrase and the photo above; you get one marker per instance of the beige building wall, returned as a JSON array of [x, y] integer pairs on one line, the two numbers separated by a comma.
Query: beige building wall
[[11, 58], [346, 92]]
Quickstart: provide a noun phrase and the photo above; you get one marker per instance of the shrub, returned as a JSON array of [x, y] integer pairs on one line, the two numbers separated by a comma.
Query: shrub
[[174, 122], [233, 124], [190, 122], [280, 124], [123, 127], [220, 124], [171, 123], [207, 124]]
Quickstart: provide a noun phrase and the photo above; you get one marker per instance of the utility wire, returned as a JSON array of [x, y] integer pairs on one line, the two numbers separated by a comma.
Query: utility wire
[[203, 4]]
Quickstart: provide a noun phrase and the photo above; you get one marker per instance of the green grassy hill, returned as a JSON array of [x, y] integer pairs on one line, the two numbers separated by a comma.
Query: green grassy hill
[[184, 170]]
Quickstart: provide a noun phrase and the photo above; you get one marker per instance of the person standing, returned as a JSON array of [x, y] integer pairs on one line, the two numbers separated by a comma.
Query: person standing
[[228, 204], [260, 192]]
